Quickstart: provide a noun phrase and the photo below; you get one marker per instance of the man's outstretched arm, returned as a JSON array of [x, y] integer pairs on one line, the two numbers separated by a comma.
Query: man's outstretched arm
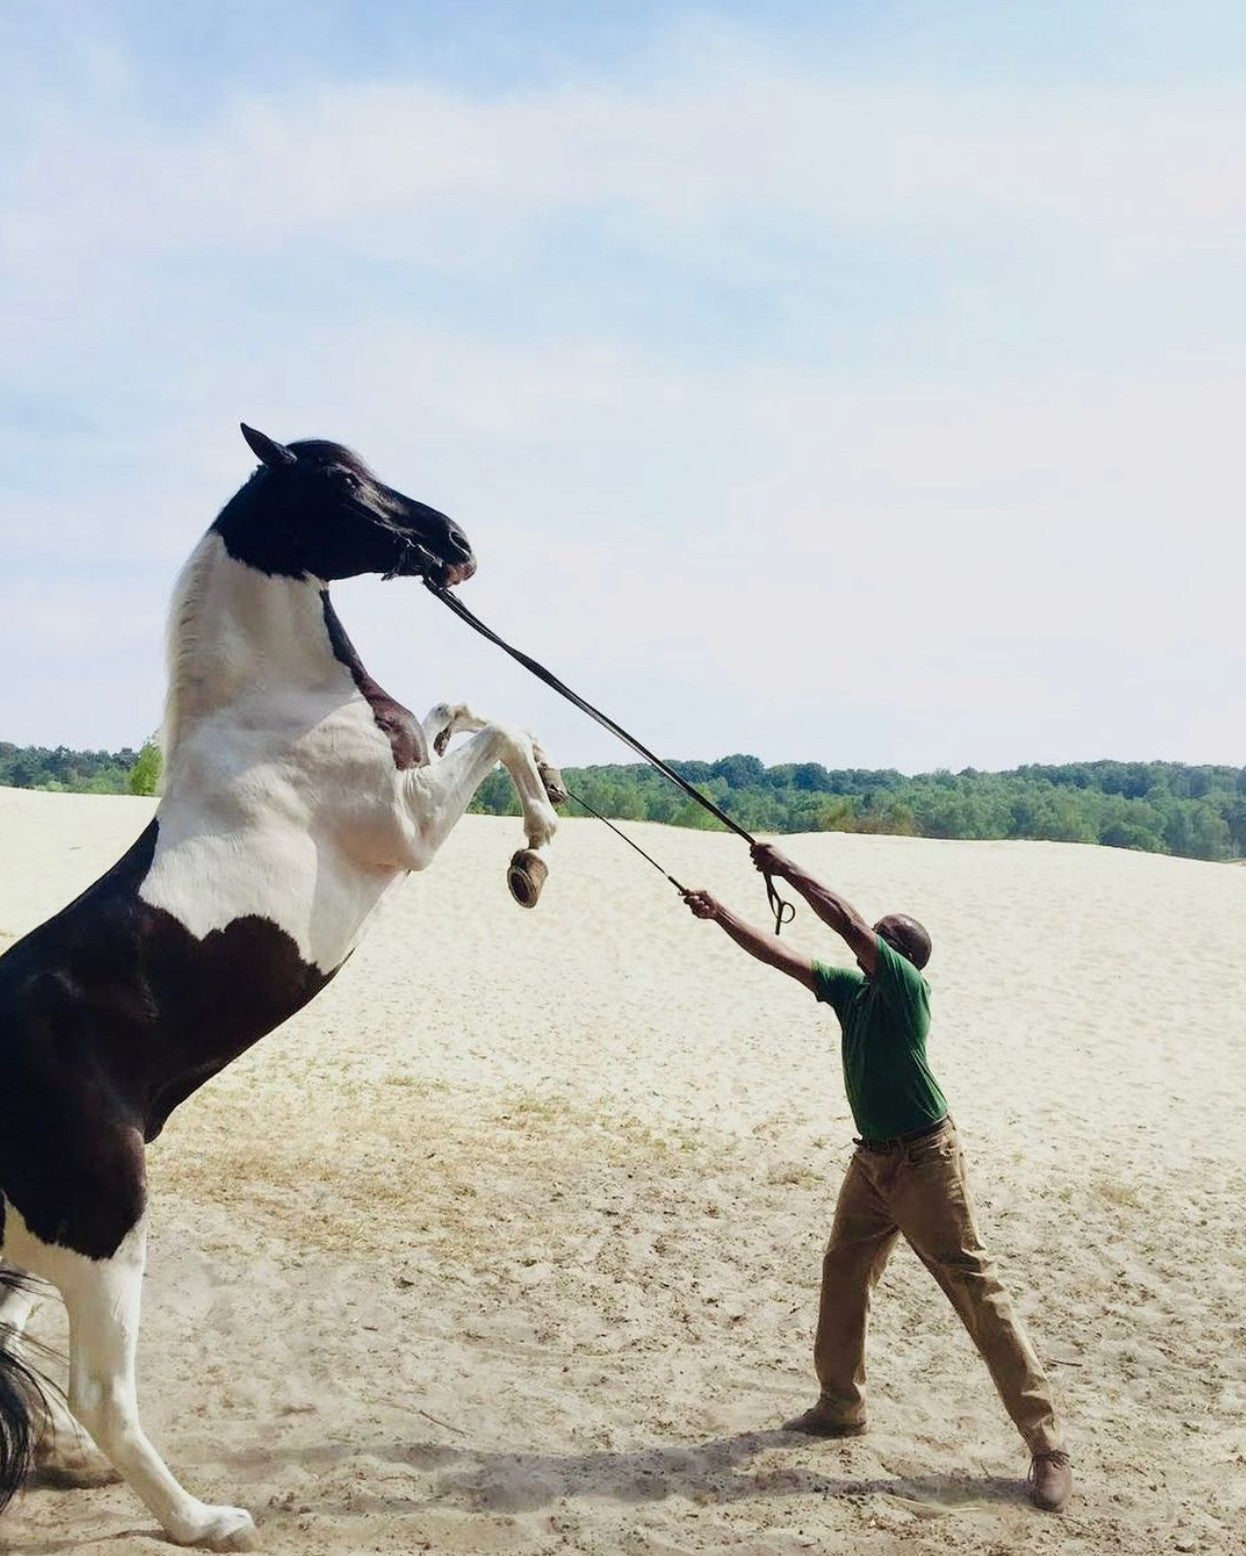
[[765, 947], [834, 911]]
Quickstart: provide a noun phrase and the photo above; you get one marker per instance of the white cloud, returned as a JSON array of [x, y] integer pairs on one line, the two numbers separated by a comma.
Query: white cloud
[[728, 149], [748, 539]]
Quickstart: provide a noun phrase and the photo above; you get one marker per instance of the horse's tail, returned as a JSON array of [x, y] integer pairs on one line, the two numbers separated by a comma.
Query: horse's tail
[[23, 1405]]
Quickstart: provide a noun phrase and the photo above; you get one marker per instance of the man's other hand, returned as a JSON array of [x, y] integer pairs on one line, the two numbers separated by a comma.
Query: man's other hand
[[702, 904]]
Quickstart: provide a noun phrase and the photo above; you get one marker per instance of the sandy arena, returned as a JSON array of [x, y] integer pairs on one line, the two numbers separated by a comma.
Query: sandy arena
[[510, 1241]]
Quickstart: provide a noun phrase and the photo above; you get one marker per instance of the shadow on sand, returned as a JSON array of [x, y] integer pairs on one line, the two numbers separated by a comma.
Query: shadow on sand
[[487, 1482], [719, 1471]]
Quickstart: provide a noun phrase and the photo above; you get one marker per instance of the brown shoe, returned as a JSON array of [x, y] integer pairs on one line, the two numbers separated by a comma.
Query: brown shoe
[[1050, 1480], [817, 1422]]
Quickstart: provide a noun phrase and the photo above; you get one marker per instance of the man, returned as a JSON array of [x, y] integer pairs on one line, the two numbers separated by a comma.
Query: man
[[907, 1174]]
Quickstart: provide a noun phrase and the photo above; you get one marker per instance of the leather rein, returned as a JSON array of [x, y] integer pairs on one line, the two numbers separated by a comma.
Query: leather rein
[[783, 911]]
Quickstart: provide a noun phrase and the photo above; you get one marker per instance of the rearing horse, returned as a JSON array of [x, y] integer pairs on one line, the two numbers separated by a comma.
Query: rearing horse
[[296, 792]]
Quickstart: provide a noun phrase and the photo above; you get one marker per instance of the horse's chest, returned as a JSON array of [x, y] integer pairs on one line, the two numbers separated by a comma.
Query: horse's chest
[[300, 841]]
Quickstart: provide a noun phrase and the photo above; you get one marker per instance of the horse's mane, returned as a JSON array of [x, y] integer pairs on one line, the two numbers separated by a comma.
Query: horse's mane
[[182, 645]]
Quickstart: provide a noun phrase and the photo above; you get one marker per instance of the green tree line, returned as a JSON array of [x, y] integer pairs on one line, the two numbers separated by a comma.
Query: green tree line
[[70, 772], [1161, 807]]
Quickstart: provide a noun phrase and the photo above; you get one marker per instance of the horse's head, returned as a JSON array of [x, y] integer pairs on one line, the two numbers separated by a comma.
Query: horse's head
[[314, 509]]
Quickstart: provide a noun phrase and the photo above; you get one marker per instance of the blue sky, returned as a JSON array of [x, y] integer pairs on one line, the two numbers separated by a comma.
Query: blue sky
[[853, 383]]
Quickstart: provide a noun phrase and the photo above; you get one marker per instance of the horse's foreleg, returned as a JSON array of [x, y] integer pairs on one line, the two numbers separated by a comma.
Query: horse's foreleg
[[438, 795], [102, 1297], [446, 719]]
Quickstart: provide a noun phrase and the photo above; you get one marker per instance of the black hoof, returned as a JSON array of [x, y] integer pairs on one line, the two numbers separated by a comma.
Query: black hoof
[[526, 876]]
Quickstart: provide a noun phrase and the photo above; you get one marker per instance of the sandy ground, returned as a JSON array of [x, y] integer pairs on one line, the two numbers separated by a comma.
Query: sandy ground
[[509, 1243]]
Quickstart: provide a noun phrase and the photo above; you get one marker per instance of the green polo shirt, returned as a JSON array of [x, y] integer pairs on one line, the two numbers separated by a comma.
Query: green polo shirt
[[885, 1018]]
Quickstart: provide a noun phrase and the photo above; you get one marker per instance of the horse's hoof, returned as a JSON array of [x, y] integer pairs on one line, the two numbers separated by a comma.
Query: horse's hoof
[[552, 779], [526, 876], [219, 1529]]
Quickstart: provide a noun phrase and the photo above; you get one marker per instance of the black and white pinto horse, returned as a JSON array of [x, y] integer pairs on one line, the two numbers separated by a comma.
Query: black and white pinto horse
[[296, 792]]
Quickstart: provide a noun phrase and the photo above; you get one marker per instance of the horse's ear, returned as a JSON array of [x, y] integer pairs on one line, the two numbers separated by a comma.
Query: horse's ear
[[275, 455]]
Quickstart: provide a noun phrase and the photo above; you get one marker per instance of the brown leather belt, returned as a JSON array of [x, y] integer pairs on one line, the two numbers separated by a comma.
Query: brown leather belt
[[899, 1140]]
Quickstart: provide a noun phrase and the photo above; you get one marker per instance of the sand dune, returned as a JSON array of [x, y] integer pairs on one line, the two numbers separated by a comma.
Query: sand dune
[[509, 1243]]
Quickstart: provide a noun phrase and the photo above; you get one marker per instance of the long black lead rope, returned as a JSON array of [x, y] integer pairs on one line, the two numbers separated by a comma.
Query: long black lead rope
[[783, 911], [618, 832]]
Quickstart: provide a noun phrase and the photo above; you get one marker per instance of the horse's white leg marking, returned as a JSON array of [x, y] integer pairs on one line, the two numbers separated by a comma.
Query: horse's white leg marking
[[438, 795], [103, 1298]]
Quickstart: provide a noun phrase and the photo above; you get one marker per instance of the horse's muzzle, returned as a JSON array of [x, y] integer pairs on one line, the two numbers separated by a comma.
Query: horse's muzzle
[[457, 572]]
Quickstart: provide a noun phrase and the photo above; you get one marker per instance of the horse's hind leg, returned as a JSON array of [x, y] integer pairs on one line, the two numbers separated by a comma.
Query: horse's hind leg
[[64, 1454], [17, 1301], [102, 1297], [23, 1400]]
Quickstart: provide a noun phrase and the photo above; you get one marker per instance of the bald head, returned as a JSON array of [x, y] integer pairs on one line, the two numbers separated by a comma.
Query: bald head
[[905, 935]]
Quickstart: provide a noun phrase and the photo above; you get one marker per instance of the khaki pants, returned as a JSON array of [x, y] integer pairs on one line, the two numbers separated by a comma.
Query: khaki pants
[[920, 1189]]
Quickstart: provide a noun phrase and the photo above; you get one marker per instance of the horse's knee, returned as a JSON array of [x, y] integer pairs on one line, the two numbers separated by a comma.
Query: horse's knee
[[446, 720]]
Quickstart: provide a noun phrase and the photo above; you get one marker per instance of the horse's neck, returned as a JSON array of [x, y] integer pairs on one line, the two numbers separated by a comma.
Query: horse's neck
[[233, 630]]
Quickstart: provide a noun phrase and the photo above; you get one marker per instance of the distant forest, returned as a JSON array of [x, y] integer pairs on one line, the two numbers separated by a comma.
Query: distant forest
[[69, 772], [1160, 807]]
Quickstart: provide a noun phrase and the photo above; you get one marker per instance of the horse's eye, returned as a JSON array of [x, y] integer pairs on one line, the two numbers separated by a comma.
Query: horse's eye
[[349, 479]]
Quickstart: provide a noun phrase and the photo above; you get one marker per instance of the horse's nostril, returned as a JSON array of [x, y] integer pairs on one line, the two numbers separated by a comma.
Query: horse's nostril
[[460, 543]]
